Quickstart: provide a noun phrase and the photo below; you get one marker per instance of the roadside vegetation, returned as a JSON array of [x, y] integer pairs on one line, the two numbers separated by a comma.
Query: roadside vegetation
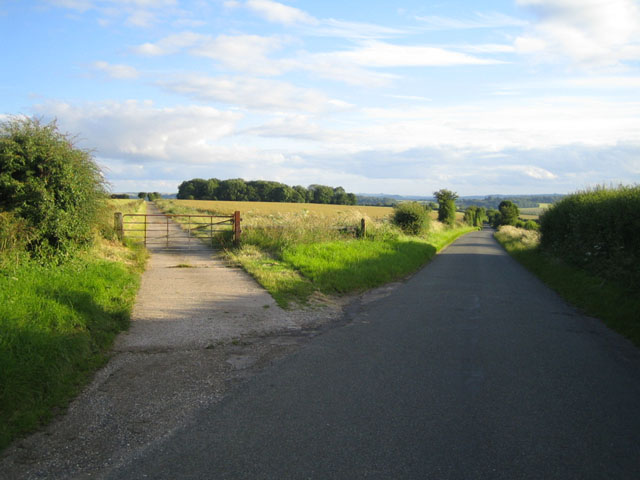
[[588, 250], [298, 251], [67, 284]]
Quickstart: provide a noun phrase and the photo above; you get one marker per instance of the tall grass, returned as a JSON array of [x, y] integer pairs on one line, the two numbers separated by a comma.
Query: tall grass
[[57, 322]]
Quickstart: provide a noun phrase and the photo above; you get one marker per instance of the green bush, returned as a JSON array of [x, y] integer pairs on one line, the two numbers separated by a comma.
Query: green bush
[[531, 225], [597, 229], [56, 188], [411, 217]]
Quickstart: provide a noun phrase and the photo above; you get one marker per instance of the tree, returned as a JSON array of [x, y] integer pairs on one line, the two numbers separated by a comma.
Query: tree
[[475, 216], [446, 206], [211, 189], [321, 193], [508, 212], [55, 187], [143, 195], [234, 189], [302, 193]]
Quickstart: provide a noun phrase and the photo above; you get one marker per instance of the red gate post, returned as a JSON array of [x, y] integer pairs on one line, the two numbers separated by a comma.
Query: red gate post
[[236, 227]]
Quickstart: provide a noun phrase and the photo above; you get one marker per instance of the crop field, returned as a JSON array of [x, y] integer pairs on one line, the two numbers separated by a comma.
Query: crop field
[[533, 213], [276, 208]]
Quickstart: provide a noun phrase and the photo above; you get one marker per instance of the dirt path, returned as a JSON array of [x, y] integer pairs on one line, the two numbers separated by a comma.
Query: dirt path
[[197, 326]]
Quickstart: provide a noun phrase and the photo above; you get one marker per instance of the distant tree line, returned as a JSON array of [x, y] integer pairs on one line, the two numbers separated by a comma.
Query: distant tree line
[[236, 189], [151, 196], [494, 201], [376, 201]]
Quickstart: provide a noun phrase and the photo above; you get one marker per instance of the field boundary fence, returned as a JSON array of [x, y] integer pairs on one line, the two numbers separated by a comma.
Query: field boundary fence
[[176, 230]]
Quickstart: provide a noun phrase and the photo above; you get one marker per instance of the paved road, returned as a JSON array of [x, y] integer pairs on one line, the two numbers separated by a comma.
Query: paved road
[[470, 370]]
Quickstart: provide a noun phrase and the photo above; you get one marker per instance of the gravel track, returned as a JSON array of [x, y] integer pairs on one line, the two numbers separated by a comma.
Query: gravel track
[[198, 327]]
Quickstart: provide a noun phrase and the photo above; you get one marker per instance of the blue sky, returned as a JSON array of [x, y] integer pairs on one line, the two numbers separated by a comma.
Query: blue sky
[[405, 97]]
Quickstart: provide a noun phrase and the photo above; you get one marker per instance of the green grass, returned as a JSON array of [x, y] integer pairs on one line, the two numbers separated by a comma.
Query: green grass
[[344, 266], [615, 304], [339, 266], [57, 322]]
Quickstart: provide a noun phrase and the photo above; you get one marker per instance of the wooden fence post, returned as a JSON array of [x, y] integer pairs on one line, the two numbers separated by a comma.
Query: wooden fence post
[[363, 228], [118, 225], [236, 227]]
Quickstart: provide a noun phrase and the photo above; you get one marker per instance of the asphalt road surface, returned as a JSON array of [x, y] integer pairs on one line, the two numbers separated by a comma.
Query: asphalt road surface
[[472, 369]]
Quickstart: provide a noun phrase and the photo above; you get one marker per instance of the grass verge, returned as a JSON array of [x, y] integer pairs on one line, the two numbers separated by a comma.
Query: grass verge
[[613, 303], [339, 266], [57, 323]]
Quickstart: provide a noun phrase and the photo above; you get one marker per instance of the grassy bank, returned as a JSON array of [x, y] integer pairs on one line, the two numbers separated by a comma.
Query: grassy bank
[[57, 322], [614, 303]]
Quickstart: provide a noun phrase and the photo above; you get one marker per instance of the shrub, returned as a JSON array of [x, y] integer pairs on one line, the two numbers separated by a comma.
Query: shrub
[[531, 225], [56, 188], [411, 217]]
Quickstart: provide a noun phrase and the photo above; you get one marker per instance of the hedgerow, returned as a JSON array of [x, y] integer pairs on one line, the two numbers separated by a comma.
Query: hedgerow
[[56, 188], [599, 230]]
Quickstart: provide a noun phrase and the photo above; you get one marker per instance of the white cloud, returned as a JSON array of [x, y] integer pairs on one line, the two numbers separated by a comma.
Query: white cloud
[[487, 48], [78, 5], [139, 130], [353, 30], [381, 54], [170, 44], [137, 13], [329, 27], [247, 53], [534, 123], [293, 127], [118, 71], [605, 82], [279, 12], [479, 20], [253, 93], [591, 33], [531, 171]]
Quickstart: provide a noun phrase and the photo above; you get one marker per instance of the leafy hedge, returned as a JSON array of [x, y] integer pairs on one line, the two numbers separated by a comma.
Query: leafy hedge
[[599, 230], [57, 189]]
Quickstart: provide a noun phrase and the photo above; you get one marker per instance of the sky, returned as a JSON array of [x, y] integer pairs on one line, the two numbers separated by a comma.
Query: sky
[[403, 97]]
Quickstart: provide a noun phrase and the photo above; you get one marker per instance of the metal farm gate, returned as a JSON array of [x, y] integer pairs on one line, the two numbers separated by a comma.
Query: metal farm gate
[[176, 231]]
